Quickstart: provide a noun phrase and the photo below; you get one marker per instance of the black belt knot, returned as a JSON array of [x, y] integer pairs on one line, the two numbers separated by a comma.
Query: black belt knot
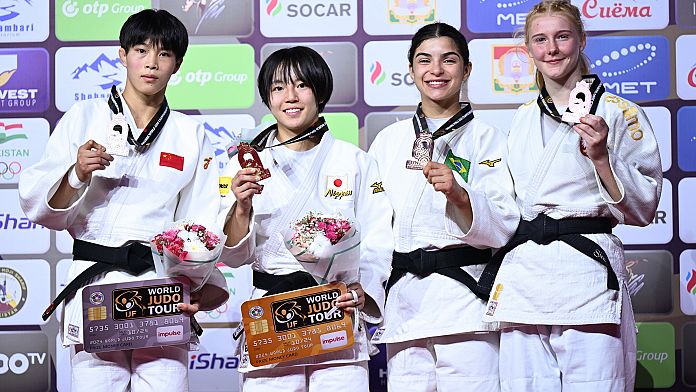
[[424, 263], [447, 262]]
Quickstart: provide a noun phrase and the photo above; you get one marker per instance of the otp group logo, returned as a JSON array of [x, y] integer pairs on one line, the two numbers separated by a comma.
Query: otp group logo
[[377, 74], [631, 67]]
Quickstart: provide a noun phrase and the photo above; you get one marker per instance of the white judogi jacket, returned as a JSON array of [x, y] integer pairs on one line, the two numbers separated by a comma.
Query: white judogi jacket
[[555, 284], [131, 200], [437, 305], [284, 201]]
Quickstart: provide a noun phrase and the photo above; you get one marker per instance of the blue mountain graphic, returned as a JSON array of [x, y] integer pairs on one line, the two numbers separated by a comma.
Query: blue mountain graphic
[[101, 65]]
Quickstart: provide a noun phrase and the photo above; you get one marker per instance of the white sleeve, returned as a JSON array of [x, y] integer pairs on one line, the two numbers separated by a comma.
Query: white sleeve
[[635, 162], [495, 213], [374, 214], [39, 182], [243, 252]]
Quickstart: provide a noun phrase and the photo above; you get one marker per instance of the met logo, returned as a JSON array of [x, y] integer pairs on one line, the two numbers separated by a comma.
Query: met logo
[[631, 67], [497, 16]]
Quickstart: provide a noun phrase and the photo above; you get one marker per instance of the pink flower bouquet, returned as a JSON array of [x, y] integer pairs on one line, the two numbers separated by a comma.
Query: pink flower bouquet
[[188, 249], [327, 246]]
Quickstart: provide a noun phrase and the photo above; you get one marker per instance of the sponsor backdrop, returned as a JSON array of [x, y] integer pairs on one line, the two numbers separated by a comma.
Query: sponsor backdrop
[[56, 53]]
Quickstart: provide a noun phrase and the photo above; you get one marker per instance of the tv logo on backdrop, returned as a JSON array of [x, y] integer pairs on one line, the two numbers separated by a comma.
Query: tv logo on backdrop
[[72, 8], [386, 80], [631, 67], [633, 15], [308, 18], [497, 16], [24, 361], [86, 73]]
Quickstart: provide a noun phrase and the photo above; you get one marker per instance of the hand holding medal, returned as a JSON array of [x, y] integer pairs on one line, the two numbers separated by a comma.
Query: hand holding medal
[[91, 156]]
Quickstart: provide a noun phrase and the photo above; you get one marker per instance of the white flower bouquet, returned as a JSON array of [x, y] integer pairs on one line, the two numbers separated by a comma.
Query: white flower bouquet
[[187, 249], [327, 246]]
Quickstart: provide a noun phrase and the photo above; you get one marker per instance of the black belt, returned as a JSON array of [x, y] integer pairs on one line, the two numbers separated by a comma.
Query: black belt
[[135, 258], [544, 230], [276, 284], [447, 262]]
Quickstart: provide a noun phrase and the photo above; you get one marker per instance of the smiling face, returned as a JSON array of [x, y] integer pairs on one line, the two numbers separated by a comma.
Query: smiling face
[[148, 69], [293, 105], [438, 71], [556, 47]]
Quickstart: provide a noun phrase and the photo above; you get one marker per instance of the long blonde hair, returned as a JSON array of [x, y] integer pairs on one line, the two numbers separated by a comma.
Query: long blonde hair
[[564, 8]]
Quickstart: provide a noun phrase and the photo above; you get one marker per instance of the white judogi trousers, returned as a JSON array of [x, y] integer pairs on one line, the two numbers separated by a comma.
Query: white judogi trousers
[[463, 362], [309, 378], [153, 369], [580, 358]]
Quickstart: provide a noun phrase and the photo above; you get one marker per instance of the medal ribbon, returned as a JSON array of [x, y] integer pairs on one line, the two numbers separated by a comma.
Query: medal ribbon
[[457, 121], [547, 106], [153, 128], [318, 129]]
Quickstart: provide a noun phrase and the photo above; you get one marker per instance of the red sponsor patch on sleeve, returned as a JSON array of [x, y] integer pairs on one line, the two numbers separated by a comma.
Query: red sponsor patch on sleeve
[[172, 160]]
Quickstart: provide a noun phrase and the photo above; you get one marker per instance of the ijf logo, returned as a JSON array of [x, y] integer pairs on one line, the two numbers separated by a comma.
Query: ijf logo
[[84, 73], [386, 80], [631, 67], [687, 281], [23, 80], [308, 18], [633, 15], [686, 67], [13, 292], [510, 76], [23, 21], [485, 16]]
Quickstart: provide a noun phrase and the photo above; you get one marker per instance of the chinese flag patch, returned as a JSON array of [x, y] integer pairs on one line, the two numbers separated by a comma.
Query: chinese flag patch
[[172, 160]]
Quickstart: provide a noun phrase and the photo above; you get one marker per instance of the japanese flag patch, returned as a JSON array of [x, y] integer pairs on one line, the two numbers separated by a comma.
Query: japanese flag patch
[[338, 187]]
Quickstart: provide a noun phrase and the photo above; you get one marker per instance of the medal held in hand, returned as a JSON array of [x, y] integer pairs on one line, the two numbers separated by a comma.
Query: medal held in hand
[[579, 102], [422, 151], [248, 157], [117, 136]]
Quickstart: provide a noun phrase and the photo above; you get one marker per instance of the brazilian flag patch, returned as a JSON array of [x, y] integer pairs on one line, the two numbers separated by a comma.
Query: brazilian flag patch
[[459, 165]]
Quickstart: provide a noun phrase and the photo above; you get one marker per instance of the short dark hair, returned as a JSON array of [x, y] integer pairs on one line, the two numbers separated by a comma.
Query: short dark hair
[[437, 30], [160, 27], [305, 64]]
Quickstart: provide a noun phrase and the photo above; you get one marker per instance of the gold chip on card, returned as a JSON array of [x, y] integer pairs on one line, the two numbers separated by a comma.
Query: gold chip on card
[[96, 313]]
